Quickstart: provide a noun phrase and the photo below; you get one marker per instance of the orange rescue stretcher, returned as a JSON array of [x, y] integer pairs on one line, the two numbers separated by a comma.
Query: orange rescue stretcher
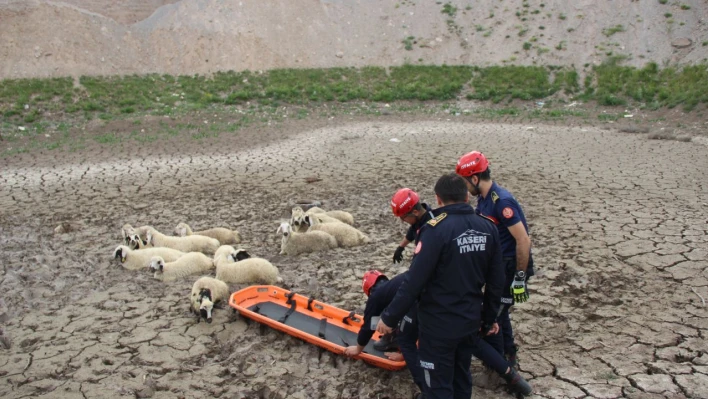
[[324, 325]]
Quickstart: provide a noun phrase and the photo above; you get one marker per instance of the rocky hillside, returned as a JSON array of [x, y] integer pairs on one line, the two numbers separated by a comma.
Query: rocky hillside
[[98, 37]]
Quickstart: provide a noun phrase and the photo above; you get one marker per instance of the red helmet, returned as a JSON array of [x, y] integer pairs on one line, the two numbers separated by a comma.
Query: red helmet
[[403, 202], [370, 279], [471, 163]]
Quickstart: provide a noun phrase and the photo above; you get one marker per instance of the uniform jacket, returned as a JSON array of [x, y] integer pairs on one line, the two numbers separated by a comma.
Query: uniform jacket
[[381, 295], [457, 254]]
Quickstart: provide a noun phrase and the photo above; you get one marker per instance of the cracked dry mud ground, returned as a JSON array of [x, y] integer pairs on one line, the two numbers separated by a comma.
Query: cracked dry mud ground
[[618, 225]]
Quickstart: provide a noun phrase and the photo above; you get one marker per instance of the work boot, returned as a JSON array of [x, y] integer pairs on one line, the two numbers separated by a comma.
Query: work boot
[[517, 383], [385, 344], [512, 358]]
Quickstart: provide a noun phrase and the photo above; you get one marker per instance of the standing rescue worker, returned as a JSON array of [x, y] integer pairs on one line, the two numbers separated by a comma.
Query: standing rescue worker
[[456, 277], [498, 205], [406, 205]]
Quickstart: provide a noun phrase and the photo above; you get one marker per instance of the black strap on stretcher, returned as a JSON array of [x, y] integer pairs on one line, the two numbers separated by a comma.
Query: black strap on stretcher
[[323, 327], [346, 319], [293, 305], [309, 304]]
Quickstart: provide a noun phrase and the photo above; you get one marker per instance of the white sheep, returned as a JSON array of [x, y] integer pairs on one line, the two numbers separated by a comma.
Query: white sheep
[[321, 218], [242, 268], [129, 230], [140, 258], [298, 216], [193, 243], [206, 292], [294, 243], [190, 263], [221, 254], [342, 216], [224, 235], [135, 242], [346, 235]]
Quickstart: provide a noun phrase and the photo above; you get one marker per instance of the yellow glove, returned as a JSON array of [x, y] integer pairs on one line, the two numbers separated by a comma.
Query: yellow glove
[[518, 287]]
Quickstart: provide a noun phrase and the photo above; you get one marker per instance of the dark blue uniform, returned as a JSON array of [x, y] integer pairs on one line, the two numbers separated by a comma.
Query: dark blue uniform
[[412, 233], [407, 336], [458, 254], [381, 295], [504, 210]]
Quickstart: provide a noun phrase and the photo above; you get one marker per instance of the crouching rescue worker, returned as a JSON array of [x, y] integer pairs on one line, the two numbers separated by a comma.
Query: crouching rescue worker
[[406, 205], [456, 276], [499, 205], [380, 291]]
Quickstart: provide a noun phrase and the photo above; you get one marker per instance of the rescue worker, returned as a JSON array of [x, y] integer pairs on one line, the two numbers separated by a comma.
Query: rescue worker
[[380, 292], [458, 253], [498, 205], [406, 205]]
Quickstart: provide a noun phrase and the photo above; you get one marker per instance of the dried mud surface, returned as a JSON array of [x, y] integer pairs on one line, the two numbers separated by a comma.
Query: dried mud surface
[[618, 226]]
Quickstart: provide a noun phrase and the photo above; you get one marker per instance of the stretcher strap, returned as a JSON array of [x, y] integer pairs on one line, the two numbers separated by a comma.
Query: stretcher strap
[[323, 327], [346, 319], [309, 304], [293, 305]]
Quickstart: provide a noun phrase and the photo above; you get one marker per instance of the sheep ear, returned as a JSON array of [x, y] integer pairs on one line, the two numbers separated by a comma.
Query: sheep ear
[[280, 229]]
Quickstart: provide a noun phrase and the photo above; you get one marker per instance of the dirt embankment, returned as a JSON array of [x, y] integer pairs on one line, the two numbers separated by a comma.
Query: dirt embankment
[[97, 37]]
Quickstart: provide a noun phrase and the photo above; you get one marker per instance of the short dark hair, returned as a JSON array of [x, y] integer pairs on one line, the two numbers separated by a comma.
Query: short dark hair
[[451, 189], [486, 175], [418, 206]]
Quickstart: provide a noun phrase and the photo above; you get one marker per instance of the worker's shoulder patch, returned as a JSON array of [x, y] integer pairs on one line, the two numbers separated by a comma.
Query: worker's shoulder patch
[[438, 219], [495, 196]]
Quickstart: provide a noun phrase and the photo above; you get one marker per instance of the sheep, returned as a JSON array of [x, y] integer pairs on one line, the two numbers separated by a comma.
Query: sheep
[[294, 243], [298, 216], [206, 292], [242, 268], [342, 216], [225, 236], [135, 242], [321, 218], [193, 243], [129, 230], [346, 235], [190, 263], [139, 259], [221, 254]]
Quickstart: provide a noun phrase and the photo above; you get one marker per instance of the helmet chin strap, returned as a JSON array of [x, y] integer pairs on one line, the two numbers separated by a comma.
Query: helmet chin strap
[[476, 186]]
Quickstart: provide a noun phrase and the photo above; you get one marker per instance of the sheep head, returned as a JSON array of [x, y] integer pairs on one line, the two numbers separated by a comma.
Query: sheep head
[[239, 254], [297, 216], [127, 230], [205, 305], [121, 253], [181, 230], [135, 242], [157, 264]]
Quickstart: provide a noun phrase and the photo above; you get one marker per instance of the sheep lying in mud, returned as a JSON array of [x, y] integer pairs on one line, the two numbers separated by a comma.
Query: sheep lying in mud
[[221, 255], [294, 243], [346, 235], [185, 265], [206, 292], [135, 242], [242, 268], [299, 216], [140, 258], [128, 231], [225, 236], [193, 243]]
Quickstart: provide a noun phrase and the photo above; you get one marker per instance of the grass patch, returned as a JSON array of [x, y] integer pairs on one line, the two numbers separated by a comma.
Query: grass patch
[[449, 9], [612, 30], [31, 103]]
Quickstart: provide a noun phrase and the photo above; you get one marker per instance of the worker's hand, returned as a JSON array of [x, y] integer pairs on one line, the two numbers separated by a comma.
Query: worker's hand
[[395, 356], [352, 350], [398, 255], [518, 287], [489, 329], [382, 328]]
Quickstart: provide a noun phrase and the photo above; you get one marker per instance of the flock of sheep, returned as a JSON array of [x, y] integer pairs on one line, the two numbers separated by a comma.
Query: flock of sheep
[[184, 254]]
